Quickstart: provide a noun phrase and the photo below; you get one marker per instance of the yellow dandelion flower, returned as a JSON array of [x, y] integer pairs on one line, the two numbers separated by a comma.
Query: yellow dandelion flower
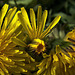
[[57, 62], [11, 57], [61, 60], [36, 31]]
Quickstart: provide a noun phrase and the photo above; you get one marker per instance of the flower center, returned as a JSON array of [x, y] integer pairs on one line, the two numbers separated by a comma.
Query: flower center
[[40, 47], [37, 45]]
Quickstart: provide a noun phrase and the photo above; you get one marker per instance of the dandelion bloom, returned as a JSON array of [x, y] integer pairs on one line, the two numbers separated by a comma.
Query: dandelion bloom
[[11, 57], [36, 31], [61, 60], [56, 63]]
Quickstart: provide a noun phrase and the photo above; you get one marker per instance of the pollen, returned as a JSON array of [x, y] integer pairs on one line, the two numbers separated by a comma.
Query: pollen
[[37, 45]]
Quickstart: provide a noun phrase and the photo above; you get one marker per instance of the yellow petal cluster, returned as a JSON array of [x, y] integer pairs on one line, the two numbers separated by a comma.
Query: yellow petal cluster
[[36, 30], [70, 36], [11, 57], [56, 63]]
